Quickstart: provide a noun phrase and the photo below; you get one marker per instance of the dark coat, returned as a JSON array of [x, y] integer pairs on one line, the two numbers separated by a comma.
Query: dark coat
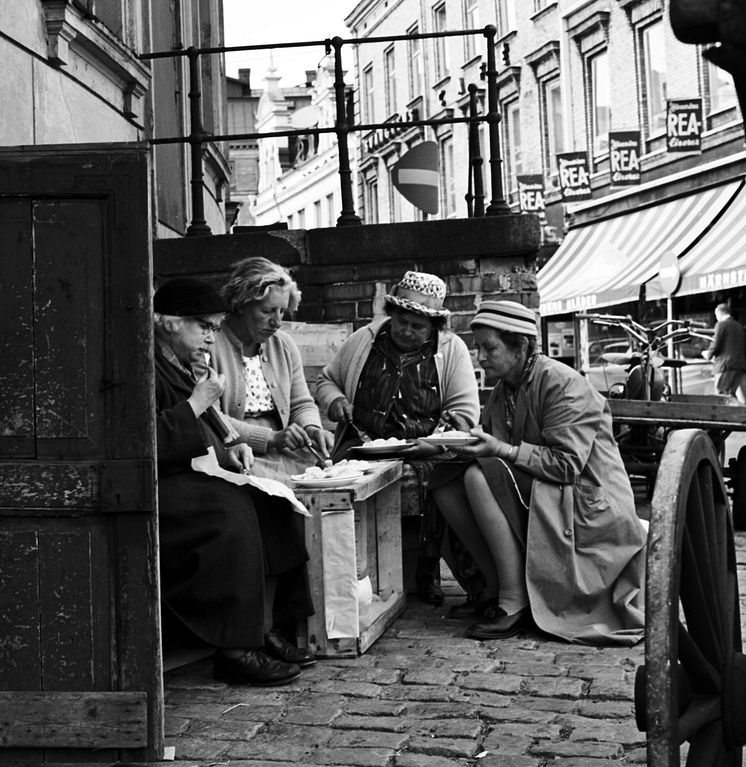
[[728, 346], [218, 540]]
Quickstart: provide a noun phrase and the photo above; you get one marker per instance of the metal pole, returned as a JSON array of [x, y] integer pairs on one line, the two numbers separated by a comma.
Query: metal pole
[[199, 225], [347, 216], [497, 206], [475, 153]]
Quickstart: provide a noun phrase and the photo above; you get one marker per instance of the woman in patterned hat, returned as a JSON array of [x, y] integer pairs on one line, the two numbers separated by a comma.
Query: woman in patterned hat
[[543, 501], [265, 392], [394, 378]]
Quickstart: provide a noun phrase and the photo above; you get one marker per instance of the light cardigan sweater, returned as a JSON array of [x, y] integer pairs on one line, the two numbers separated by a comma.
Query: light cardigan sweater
[[282, 367], [458, 384]]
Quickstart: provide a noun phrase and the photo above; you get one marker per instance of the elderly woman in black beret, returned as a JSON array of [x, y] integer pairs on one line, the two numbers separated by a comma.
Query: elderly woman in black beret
[[225, 547]]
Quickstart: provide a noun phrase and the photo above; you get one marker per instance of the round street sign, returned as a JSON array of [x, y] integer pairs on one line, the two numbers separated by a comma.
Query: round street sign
[[416, 177], [669, 273]]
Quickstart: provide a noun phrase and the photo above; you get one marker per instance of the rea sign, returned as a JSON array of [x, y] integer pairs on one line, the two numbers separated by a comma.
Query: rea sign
[[574, 176], [531, 194], [684, 125], [624, 158]]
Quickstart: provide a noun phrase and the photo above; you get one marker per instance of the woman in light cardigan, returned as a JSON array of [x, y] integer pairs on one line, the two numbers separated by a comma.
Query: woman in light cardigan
[[265, 393]]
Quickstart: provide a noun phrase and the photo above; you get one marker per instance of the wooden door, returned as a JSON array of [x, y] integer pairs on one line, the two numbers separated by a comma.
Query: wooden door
[[80, 665]]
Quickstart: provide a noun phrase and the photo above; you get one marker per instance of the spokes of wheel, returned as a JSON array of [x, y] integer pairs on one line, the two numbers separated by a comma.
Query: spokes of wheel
[[689, 689]]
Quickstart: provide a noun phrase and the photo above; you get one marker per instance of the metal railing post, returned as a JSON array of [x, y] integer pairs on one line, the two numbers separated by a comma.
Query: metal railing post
[[497, 206], [199, 225], [347, 216], [475, 154]]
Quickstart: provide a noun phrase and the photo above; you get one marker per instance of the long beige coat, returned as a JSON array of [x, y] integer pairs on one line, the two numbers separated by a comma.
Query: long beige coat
[[585, 547]]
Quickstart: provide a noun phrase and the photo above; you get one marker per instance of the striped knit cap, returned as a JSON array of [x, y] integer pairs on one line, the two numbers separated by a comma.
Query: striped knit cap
[[506, 315]]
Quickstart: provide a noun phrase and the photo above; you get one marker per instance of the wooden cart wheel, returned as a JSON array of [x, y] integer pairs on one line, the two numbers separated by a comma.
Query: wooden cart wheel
[[693, 684], [738, 485]]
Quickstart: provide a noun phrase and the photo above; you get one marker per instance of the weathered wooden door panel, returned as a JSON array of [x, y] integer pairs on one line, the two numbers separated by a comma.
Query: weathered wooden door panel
[[80, 666]]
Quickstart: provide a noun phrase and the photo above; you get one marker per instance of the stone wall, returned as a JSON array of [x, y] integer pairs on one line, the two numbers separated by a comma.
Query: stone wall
[[345, 272]]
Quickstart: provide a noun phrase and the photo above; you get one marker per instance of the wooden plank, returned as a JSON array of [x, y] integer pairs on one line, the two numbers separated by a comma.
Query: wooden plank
[[388, 541], [315, 638], [384, 474], [679, 414], [379, 618], [81, 719]]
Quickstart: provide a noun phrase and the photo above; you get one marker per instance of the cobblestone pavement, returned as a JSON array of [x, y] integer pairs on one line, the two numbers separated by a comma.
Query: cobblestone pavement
[[423, 696]]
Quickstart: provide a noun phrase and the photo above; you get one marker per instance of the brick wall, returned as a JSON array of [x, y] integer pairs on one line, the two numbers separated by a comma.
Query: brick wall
[[345, 272]]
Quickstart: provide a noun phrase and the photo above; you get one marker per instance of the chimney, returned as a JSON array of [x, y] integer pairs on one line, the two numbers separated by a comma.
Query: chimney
[[310, 77], [244, 75]]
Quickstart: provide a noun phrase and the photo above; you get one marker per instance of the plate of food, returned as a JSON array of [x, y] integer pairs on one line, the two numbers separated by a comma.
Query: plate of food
[[452, 438], [331, 476], [383, 447]]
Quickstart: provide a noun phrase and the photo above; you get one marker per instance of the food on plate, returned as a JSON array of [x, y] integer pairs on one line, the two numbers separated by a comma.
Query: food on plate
[[385, 442], [345, 468], [455, 434]]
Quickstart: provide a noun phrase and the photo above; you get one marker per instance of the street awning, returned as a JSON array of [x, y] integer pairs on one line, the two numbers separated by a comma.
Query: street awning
[[605, 262], [717, 261]]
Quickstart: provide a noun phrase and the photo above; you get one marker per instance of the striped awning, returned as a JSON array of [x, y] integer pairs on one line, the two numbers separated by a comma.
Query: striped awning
[[718, 260], [605, 262]]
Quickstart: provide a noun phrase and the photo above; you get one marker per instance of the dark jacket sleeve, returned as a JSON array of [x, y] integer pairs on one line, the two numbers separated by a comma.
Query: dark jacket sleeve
[[179, 435]]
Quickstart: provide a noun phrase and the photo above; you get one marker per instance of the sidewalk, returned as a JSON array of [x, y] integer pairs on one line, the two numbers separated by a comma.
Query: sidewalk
[[423, 696]]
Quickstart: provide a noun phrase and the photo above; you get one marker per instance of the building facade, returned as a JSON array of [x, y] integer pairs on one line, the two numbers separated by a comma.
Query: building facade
[[75, 75]]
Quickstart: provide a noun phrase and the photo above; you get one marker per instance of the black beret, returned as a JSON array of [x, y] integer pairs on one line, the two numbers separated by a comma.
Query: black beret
[[187, 297]]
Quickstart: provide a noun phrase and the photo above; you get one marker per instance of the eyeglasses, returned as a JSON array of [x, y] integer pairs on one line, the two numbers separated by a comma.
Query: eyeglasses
[[207, 327]]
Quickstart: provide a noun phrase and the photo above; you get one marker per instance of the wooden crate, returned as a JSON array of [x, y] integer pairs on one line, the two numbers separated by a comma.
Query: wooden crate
[[354, 531]]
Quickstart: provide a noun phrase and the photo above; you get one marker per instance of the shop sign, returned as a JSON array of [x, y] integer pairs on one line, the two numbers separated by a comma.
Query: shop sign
[[391, 128], [624, 158], [684, 125], [531, 194], [574, 176]]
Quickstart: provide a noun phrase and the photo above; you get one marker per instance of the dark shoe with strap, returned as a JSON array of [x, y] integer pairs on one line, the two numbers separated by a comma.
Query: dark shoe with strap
[[475, 608], [502, 627], [278, 647], [254, 668]]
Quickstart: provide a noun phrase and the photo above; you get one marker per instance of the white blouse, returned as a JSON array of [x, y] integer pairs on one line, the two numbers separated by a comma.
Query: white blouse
[[258, 398]]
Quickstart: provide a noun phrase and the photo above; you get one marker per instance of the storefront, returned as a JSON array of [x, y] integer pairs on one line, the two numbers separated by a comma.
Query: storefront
[[611, 260]]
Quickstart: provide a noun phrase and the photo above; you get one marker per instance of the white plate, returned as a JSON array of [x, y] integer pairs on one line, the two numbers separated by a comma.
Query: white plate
[[392, 449], [444, 439], [321, 482]]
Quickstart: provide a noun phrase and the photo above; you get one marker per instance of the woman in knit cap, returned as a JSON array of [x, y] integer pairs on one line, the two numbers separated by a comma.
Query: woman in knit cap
[[542, 501]]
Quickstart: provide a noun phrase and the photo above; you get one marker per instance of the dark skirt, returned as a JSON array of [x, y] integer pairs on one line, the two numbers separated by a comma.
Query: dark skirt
[[218, 541]]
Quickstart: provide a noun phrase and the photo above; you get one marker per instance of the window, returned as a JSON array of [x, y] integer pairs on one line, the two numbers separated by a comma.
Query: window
[[368, 93], [331, 210], [652, 48], [301, 219], [600, 102], [441, 50], [371, 201], [720, 89], [505, 17], [414, 56], [448, 180], [395, 199], [512, 144], [471, 21], [318, 223], [554, 136], [389, 73]]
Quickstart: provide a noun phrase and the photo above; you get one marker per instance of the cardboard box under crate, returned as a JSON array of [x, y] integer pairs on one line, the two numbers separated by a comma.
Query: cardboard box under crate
[[354, 534]]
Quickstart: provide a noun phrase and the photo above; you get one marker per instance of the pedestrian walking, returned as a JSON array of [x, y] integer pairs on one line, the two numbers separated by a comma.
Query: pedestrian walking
[[728, 354]]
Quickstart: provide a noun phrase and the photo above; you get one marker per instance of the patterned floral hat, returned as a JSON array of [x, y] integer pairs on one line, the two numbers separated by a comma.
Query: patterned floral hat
[[420, 293]]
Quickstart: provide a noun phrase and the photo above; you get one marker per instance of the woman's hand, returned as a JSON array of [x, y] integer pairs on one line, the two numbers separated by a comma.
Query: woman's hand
[[207, 391], [421, 449], [487, 447], [240, 458], [452, 420], [340, 410], [289, 439], [322, 439]]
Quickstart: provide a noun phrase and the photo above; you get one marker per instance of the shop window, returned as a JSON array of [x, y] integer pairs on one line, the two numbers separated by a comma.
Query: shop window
[[471, 21], [368, 94], [414, 57], [599, 92], [389, 73], [441, 49], [653, 83], [511, 123]]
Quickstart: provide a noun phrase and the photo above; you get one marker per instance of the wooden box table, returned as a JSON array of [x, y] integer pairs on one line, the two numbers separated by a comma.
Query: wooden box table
[[354, 532]]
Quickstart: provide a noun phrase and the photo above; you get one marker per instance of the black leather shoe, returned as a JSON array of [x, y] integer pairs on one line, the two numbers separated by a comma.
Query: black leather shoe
[[278, 647], [255, 668], [429, 590], [475, 608], [503, 627]]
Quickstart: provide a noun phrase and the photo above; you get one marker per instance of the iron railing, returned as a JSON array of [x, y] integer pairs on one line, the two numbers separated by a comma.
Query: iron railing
[[344, 124]]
